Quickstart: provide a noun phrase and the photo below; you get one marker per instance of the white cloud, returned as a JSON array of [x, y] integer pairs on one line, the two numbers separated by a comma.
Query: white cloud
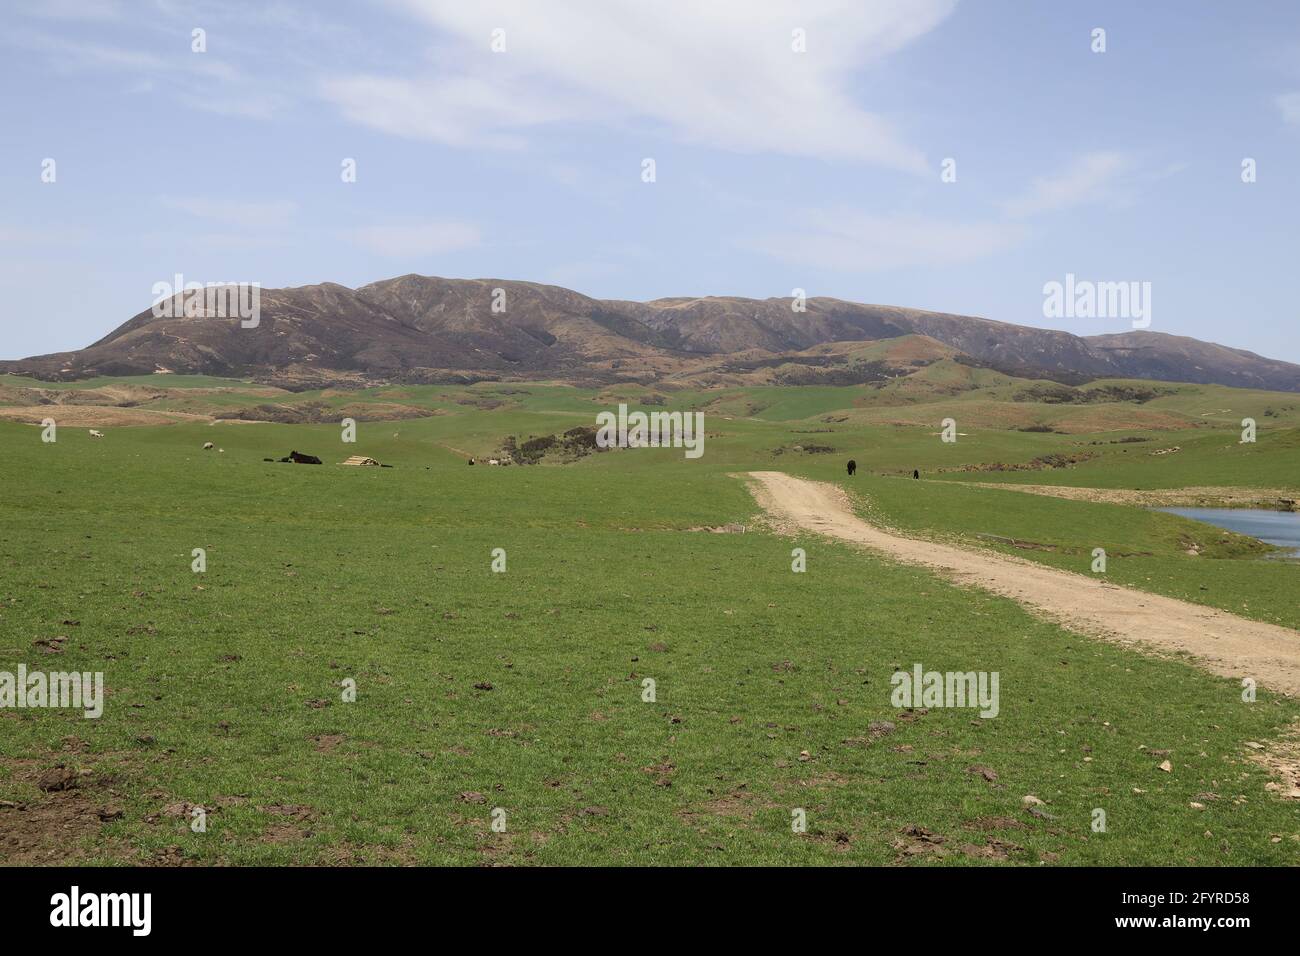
[[259, 215], [202, 82], [416, 240], [459, 111], [70, 56], [1289, 104], [251, 105], [721, 73], [861, 243], [1092, 177]]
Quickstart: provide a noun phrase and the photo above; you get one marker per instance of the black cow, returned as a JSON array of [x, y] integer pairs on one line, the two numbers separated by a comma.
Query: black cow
[[300, 459], [915, 473], [853, 466]]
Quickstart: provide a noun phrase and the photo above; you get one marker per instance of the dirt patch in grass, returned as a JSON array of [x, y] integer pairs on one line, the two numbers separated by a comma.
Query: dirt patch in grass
[[916, 842], [494, 849], [876, 730], [662, 772], [1281, 757], [293, 823], [353, 854], [739, 804], [56, 816], [327, 742], [994, 849], [278, 833]]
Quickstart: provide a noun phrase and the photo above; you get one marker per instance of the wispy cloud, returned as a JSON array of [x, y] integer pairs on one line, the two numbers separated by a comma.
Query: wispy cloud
[[250, 104], [849, 240], [1091, 178], [862, 243], [407, 241], [721, 73], [66, 55], [458, 111], [206, 81]]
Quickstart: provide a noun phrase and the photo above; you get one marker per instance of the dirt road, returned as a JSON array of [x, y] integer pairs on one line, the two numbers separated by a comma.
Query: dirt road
[[1223, 643], [1213, 497]]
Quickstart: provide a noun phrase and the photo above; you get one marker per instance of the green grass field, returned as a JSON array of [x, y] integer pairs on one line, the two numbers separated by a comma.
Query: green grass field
[[523, 691]]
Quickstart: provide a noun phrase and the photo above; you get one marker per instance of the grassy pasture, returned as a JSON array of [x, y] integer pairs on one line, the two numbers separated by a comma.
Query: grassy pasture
[[523, 690]]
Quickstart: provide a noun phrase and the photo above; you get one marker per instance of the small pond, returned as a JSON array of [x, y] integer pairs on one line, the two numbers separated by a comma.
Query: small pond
[[1281, 528]]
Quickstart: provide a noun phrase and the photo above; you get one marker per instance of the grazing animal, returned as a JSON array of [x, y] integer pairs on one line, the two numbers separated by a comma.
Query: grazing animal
[[302, 459], [853, 466], [221, 451], [471, 461], [95, 434], [493, 461], [207, 446], [915, 473]]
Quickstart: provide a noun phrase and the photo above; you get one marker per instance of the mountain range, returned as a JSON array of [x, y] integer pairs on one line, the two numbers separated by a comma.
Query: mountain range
[[427, 329]]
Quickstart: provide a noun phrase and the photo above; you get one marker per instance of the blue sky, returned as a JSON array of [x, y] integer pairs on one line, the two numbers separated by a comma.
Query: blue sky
[[774, 169]]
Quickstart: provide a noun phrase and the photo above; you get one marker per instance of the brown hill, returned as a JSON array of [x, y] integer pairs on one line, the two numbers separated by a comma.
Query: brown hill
[[421, 328]]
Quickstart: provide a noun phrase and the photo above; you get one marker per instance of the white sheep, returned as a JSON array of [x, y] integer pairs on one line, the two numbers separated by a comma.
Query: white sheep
[[493, 461], [95, 434], [207, 446]]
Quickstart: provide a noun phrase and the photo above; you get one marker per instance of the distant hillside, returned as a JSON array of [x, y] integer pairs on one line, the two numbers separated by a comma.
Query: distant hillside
[[426, 329]]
